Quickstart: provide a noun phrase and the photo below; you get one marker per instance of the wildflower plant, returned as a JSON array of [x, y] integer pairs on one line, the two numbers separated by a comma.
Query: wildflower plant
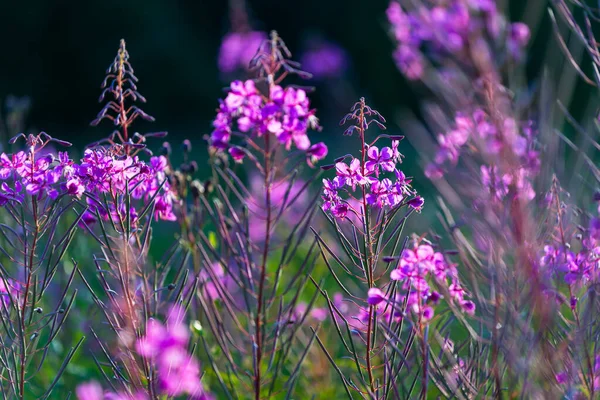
[[394, 296], [34, 244], [124, 195], [257, 308]]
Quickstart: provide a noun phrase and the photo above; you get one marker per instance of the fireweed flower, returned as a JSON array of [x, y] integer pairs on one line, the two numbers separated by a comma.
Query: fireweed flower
[[435, 31], [382, 192], [28, 173], [375, 296], [166, 347], [238, 48], [420, 267], [285, 113], [101, 172]]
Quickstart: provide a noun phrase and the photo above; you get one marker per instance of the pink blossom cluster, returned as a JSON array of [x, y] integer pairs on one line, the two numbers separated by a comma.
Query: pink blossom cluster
[[165, 346], [418, 268], [35, 176], [574, 267], [478, 131], [382, 191], [437, 30], [285, 114], [102, 173]]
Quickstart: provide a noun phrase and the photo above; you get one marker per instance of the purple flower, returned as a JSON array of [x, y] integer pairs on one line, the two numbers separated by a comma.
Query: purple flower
[[383, 159], [324, 60], [416, 268], [166, 346], [237, 154], [238, 48], [75, 187], [410, 62], [316, 152], [375, 296], [416, 203], [351, 174], [285, 114]]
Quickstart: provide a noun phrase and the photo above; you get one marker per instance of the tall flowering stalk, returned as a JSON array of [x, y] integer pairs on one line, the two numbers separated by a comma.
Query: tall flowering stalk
[[35, 237], [366, 208], [125, 194], [265, 126]]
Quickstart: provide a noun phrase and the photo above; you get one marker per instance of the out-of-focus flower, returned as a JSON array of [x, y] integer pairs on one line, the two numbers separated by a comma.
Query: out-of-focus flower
[[324, 59], [165, 346], [438, 31], [90, 391], [238, 49]]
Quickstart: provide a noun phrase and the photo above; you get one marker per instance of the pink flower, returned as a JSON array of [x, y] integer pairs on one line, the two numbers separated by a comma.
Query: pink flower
[[90, 391]]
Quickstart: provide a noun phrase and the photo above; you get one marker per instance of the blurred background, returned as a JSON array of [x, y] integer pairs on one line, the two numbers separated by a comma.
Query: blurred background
[[186, 52]]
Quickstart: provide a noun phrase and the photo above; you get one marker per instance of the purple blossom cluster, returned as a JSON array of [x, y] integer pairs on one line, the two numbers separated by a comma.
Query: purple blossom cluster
[[285, 113], [570, 377], [576, 268], [165, 347], [420, 271], [421, 266], [382, 191], [101, 172], [478, 131], [39, 177], [437, 30]]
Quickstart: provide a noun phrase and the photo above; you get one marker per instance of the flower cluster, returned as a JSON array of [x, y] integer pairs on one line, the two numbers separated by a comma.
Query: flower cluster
[[285, 113], [478, 131], [238, 49], [570, 377], [36, 176], [165, 346], [101, 172], [574, 267], [383, 192], [447, 29], [418, 268]]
